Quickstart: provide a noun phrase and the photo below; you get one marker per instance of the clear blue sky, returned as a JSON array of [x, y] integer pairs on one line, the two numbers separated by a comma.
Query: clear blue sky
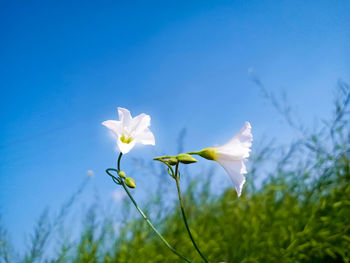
[[67, 65]]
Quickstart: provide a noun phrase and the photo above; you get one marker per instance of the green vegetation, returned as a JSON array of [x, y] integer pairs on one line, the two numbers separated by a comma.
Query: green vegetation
[[300, 213]]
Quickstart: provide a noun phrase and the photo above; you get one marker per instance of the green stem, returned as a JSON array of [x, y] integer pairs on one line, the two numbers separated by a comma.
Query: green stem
[[119, 158], [193, 153], [184, 215], [147, 220]]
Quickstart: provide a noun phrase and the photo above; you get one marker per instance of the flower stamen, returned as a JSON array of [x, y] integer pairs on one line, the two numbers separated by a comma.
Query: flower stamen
[[125, 139]]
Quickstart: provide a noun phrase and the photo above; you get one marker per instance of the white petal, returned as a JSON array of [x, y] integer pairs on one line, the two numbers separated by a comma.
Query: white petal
[[125, 147], [139, 124], [134, 130], [146, 137], [235, 170], [244, 136], [124, 116], [114, 126], [239, 146]]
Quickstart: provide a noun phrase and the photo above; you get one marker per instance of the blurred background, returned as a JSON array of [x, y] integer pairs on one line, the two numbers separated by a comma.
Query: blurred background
[[200, 69]]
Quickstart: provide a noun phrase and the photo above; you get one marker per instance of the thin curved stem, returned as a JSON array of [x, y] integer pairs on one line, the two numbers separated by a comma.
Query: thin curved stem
[[144, 215], [119, 158], [152, 226], [184, 215]]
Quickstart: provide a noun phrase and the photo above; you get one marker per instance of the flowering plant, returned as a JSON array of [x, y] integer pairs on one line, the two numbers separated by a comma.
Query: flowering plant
[[231, 156]]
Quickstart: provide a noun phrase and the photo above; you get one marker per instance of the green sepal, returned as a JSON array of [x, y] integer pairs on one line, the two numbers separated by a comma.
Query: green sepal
[[207, 153]]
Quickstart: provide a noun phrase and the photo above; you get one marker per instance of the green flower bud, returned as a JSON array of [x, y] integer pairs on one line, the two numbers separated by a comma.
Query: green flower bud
[[172, 161], [122, 174], [130, 182], [185, 158], [208, 153]]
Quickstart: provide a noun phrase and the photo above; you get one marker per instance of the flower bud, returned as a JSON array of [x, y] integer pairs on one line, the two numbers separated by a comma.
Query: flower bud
[[185, 158], [122, 174], [172, 161], [130, 182]]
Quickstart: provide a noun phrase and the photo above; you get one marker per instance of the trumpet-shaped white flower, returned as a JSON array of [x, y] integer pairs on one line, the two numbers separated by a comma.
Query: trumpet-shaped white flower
[[130, 131], [232, 155]]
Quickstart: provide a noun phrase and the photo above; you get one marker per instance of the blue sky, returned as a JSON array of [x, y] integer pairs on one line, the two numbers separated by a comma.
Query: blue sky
[[67, 65]]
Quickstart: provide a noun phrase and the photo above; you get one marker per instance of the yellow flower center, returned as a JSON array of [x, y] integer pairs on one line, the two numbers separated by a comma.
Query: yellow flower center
[[125, 139]]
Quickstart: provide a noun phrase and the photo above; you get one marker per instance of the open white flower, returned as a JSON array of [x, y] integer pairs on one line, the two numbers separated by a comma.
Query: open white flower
[[232, 155], [130, 131]]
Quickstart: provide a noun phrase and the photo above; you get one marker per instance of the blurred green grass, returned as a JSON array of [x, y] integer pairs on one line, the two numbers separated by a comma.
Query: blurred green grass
[[300, 213]]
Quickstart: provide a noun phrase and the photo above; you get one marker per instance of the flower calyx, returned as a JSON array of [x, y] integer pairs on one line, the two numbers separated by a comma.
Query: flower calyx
[[209, 153]]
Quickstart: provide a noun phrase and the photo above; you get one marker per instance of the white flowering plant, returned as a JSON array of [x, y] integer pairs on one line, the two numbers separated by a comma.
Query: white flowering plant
[[231, 156]]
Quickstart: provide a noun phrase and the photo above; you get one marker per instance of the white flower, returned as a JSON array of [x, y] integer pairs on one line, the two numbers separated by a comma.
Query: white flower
[[232, 155], [130, 131]]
